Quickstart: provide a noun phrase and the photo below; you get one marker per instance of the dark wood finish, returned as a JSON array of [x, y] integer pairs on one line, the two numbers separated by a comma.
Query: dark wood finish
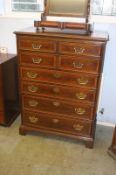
[[9, 97], [59, 94]]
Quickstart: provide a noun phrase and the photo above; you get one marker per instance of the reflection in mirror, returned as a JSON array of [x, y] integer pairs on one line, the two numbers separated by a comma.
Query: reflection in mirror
[[67, 7]]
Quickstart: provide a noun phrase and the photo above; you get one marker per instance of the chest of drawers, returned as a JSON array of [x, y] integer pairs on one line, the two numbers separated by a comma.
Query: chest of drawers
[[60, 74]]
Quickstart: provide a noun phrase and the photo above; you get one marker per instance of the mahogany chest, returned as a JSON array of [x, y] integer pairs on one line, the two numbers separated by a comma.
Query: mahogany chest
[[60, 73]]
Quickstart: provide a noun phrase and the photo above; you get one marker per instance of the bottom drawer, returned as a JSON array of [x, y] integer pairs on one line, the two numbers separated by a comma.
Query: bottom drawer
[[2, 118], [72, 126]]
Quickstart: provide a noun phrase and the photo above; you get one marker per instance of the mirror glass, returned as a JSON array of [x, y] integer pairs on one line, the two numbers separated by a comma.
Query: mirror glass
[[67, 8]]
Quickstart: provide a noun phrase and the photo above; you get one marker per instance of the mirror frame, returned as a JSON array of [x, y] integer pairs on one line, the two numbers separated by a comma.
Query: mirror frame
[[47, 13]]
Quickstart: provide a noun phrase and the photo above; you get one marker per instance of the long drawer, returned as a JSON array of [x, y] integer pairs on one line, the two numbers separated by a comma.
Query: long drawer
[[87, 64], [59, 77], [57, 91], [55, 123], [78, 110], [37, 59]]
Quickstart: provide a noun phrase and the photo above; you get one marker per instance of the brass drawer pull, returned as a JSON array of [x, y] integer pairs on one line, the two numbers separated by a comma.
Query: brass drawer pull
[[36, 46], [33, 119], [32, 88], [79, 50], [78, 127], [82, 81], [33, 103], [78, 65], [81, 96], [56, 104], [80, 111], [55, 120], [56, 90], [57, 75], [37, 60], [32, 75]]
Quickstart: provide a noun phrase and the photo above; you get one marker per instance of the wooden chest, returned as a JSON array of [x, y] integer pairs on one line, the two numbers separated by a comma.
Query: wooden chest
[[9, 97], [60, 73]]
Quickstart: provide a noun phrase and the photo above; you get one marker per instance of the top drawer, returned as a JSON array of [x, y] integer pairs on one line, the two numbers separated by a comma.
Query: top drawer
[[34, 44], [80, 48]]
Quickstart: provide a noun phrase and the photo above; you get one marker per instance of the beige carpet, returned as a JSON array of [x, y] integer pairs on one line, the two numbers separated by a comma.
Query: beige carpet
[[37, 154]]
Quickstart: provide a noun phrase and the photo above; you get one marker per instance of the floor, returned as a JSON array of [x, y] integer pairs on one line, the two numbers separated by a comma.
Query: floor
[[37, 154]]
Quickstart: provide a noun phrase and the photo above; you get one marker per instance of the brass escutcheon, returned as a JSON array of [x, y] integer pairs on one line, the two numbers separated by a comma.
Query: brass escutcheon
[[33, 103], [32, 75], [57, 75], [78, 65], [78, 127], [80, 111], [56, 103], [36, 60], [82, 81], [79, 50], [33, 119], [36, 46], [32, 88], [81, 96], [56, 90]]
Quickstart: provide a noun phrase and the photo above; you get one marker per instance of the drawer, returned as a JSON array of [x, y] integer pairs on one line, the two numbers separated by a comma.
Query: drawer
[[80, 48], [80, 63], [37, 59], [60, 107], [2, 118], [56, 91], [34, 44], [54, 123], [59, 77]]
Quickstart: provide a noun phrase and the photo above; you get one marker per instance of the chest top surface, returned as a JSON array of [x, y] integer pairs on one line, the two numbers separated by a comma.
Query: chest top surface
[[65, 33]]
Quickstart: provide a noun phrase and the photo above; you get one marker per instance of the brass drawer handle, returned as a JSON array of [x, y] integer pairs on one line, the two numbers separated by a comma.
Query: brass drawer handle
[[82, 81], [33, 119], [55, 120], [56, 90], [78, 127], [32, 75], [57, 75], [81, 96], [33, 103], [80, 111], [78, 65], [32, 88], [36, 46], [36, 60], [79, 50], [56, 104]]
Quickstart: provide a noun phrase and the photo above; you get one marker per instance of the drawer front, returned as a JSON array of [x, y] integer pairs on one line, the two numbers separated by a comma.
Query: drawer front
[[56, 91], [59, 77], [72, 126], [2, 117], [37, 59], [57, 106], [34, 44], [80, 48], [80, 63]]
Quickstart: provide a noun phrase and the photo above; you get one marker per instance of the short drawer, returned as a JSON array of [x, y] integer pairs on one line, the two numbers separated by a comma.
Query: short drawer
[[37, 59], [60, 107], [80, 48], [37, 44], [56, 91], [59, 77], [55, 123], [87, 64]]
